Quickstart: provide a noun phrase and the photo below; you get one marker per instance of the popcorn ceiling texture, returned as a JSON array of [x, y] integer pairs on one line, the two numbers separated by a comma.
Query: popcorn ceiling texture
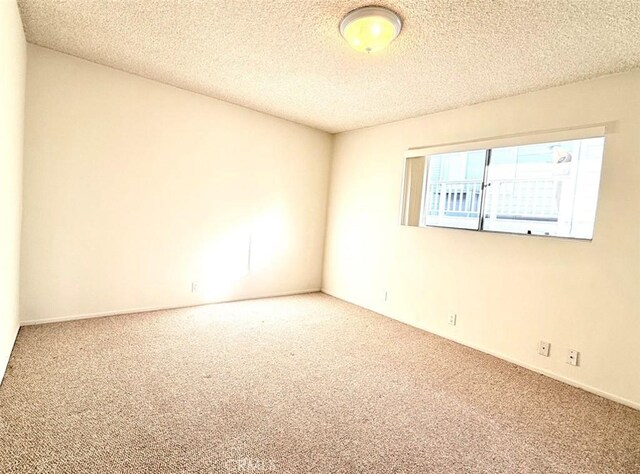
[[287, 58], [302, 384]]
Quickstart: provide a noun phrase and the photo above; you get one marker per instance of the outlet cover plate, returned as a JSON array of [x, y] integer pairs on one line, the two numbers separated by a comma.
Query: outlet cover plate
[[572, 357], [543, 348]]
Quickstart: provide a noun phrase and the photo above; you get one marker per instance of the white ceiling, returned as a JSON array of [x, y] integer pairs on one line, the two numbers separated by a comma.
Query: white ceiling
[[287, 58]]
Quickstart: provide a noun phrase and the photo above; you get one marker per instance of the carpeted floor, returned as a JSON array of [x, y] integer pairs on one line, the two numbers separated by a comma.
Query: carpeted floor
[[297, 384]]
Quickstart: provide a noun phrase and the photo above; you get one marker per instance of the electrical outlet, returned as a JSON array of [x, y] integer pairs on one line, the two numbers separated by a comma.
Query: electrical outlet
[[572, 357], [452, 319], [194, 287], [386, 295], [543, 348]]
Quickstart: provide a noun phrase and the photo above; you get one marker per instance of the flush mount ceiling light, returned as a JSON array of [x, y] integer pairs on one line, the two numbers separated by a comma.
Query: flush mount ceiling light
[[370, 29]]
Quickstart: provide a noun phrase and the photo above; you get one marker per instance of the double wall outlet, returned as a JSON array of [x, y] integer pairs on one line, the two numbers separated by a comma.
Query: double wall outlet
[[194, 287], [543, 348], [572, 357], [452, 319]]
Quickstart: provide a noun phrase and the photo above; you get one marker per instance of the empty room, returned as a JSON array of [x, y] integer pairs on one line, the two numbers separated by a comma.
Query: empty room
[[311, 236]]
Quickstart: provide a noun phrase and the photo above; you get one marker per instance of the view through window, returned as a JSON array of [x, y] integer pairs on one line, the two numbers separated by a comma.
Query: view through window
[[539, 189]]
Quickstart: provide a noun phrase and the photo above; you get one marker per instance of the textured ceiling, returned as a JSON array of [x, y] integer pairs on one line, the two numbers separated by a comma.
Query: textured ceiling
[[287, 58]]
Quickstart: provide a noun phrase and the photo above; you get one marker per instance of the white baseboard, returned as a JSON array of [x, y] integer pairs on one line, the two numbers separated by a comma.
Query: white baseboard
[[74, 317], [6, 355], [548, 373]]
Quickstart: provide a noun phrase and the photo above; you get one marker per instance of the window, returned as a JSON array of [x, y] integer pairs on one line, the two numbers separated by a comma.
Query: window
[[539, 189]]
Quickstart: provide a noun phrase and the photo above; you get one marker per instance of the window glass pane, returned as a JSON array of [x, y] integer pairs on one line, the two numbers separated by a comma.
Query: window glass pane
[[454, 189], [544, 189]]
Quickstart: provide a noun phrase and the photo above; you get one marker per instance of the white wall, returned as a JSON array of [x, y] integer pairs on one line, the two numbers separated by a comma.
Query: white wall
[[13, 59], [509, 291], [134, 189]]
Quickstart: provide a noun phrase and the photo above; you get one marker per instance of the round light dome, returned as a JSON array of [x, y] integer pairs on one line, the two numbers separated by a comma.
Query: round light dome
[[370, 29]]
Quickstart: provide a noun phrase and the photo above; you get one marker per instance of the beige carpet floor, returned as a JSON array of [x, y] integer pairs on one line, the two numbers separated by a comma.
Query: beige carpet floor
[[296, 384]]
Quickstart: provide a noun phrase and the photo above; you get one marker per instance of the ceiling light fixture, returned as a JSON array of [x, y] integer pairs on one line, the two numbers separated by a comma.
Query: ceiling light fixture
[[370, 29]]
